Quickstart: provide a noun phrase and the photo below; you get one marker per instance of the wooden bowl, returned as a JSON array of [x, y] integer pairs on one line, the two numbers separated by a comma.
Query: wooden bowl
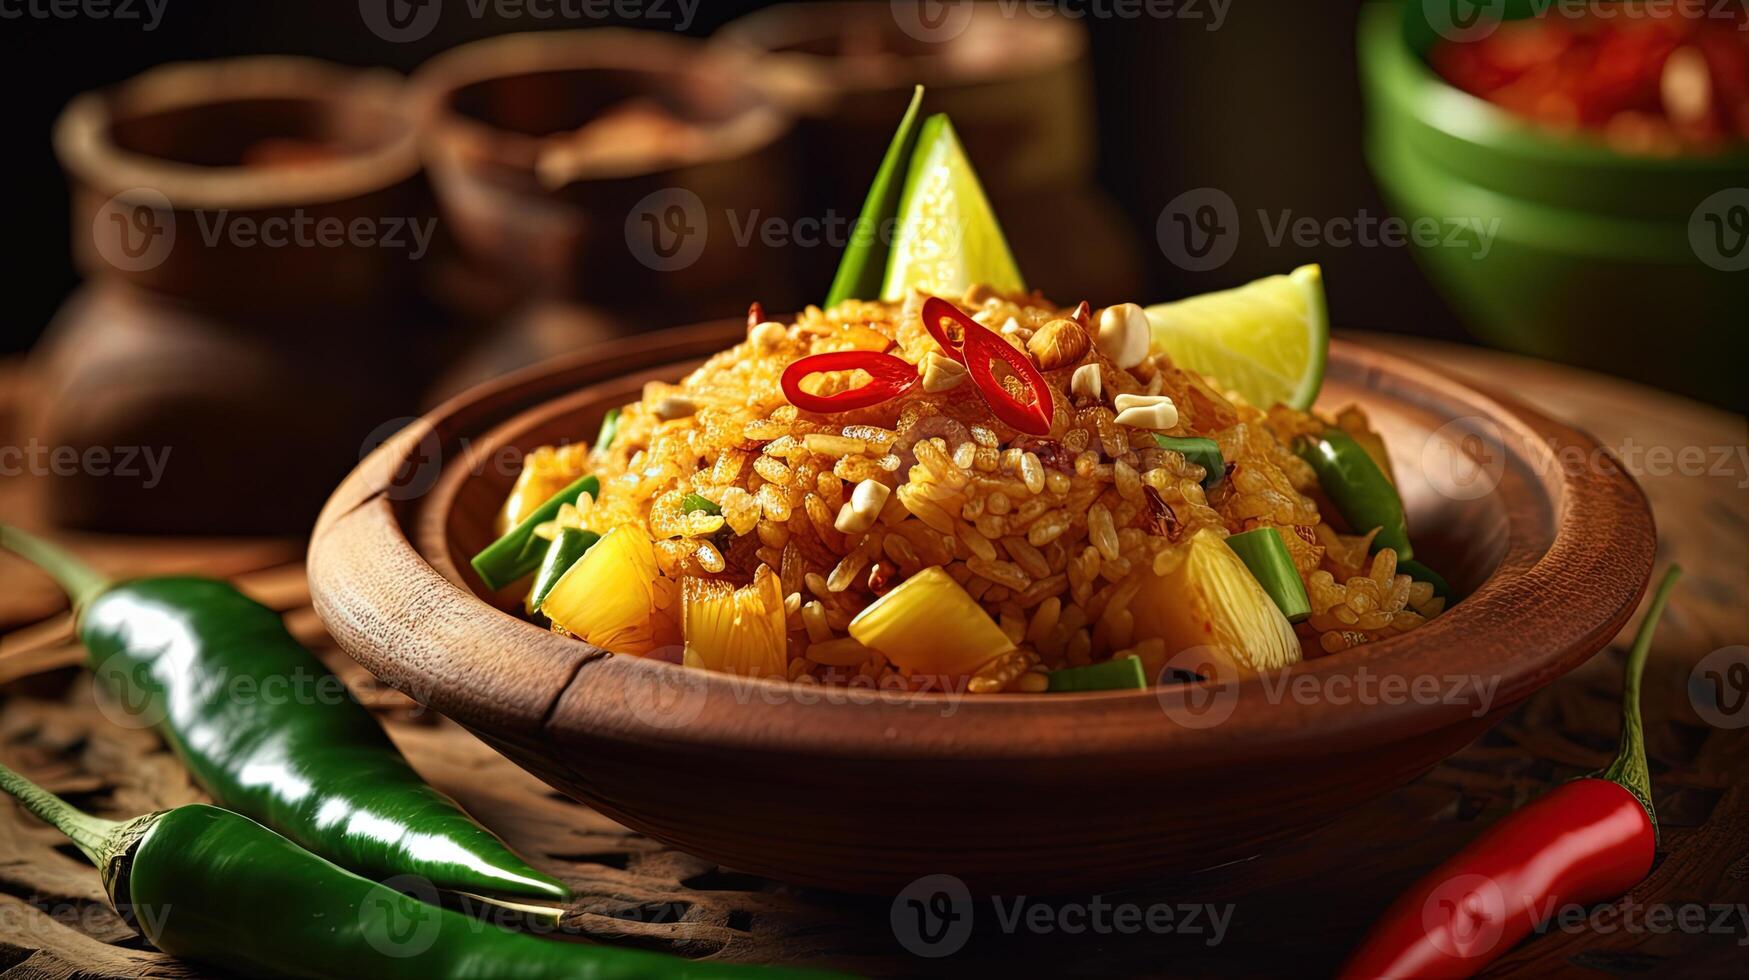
[[868, 790]]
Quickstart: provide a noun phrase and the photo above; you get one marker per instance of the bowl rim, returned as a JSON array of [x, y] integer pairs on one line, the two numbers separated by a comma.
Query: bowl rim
[[1538, 615], [1404, 77]]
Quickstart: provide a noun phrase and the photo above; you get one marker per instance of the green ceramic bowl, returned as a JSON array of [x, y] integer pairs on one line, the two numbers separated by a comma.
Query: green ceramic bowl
[[1554, 245]]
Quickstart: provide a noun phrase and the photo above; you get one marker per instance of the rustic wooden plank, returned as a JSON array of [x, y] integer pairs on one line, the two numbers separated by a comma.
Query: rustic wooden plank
[[1294, 912]]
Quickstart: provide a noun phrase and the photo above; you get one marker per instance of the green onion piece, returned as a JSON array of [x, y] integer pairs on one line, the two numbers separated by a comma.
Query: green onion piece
[[561, 554], [1421, 573], [1119, 674], [694, 502], [1363, 495], [864, 266], [609, 429], [1265, 553], [1203, 452], [519, 552]]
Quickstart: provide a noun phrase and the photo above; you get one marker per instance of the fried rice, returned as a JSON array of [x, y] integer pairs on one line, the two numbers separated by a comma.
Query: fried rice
[[1053, 536]]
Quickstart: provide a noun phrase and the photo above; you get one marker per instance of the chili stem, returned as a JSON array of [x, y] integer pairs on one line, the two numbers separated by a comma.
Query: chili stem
[[90, 833], [1629, 770], [80, 581]]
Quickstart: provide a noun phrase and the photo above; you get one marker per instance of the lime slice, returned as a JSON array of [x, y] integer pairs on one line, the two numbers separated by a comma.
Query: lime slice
[[1267, 339], [947, 236]]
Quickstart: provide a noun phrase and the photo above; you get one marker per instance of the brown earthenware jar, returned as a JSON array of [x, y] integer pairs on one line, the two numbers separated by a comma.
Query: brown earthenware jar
[[251, 230], [1018, 87], [608, 169]]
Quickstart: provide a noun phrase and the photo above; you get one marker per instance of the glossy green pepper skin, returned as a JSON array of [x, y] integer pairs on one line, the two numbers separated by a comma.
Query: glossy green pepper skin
[[207, 884], [267, 730], [1363, 495]]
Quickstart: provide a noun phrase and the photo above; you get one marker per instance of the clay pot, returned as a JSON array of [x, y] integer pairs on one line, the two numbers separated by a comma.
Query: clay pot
[[171, 170], [642, 235], [1014, 794], [1018, 88], [251, 229]]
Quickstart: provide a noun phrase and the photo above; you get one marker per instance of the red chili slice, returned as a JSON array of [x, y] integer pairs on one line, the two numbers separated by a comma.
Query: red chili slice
[[891, 376], [976, 348]]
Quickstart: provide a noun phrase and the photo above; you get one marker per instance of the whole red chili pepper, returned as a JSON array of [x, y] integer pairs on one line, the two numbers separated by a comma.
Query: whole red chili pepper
[[890, 377], [1590, 840], [976, 347]]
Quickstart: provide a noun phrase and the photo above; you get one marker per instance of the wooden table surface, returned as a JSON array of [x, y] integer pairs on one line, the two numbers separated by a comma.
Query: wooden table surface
[[1294, 911]]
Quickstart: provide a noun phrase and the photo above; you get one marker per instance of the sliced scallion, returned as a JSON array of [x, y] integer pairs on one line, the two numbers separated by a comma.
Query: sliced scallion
[[609, 429], [519, 551], [561, 554], [1118, 674], [693, 502], [1265, 553], [1203, 452]]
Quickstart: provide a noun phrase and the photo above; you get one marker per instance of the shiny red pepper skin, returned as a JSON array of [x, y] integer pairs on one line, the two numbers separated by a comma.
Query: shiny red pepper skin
[[1590, 840], [890, 377], [1587, 841], [976, 348]]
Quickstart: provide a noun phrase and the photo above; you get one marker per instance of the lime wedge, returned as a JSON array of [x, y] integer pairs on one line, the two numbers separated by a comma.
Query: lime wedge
[[947, 237], [1267, 339]]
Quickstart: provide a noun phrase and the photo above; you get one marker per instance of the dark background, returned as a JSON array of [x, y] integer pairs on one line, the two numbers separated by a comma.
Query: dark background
[[1266, 108]]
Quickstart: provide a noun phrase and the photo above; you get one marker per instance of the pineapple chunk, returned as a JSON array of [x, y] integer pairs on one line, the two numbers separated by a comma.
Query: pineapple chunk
[[545, 472], [929, 625], [1212, 601], [608, 596], [738, 631]]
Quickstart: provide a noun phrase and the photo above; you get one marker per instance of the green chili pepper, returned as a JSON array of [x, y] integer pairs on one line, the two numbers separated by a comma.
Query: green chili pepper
[[1118, 674], [1363, 495], [210, 885], [265, 728], [569, 546], [863, 268], [519, 552], [609, 429], [1203, 452], [1421, 573], [1265, 553]]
